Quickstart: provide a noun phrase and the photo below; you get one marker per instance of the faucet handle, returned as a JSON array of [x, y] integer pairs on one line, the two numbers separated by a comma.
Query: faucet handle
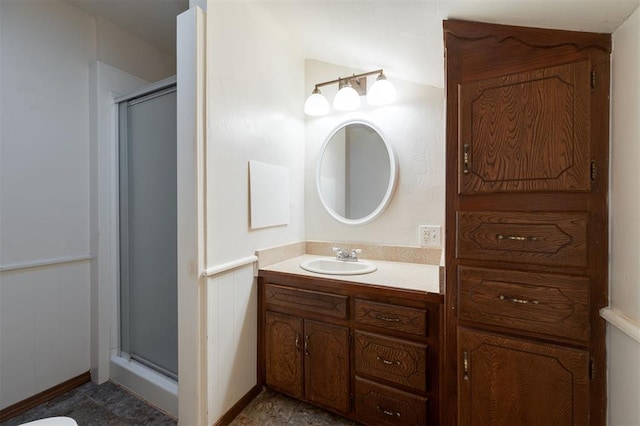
[[354, 253]]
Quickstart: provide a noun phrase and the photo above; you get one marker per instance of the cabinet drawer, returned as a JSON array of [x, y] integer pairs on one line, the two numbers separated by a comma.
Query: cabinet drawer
[[395, 360], [393, 317], [557, 305], [378, 404], [313, 301], [539, 238]]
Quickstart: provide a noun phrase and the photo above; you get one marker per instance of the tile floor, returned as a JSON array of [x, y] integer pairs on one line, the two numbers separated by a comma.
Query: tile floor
[[273, 409], [109, 404], [90, 404]]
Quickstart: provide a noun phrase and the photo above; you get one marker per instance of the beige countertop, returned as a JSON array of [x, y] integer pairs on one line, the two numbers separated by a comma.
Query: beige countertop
[[408, 276]]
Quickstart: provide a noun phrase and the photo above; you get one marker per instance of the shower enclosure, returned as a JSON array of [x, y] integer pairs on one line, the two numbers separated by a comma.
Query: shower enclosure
[[148, 310]]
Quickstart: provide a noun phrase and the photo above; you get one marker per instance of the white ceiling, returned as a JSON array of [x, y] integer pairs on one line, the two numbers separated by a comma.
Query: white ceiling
[[403, 37]]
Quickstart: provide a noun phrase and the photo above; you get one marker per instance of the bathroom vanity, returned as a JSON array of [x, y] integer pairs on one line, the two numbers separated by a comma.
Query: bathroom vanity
[[355, 345]]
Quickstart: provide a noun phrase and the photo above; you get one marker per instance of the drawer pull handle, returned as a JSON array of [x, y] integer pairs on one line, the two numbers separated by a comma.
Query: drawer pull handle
[[381, 318], [387, 362], [298, 342], [517, 300], [388, 413], [516, 238]]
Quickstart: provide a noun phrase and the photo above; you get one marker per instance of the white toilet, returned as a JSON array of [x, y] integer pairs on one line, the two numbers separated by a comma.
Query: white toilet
[[52, 421]]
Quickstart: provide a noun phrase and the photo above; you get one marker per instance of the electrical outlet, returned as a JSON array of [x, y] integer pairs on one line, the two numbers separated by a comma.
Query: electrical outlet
[[429, 236]]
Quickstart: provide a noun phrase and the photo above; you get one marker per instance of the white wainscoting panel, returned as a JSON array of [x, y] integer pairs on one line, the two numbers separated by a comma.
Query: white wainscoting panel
[[232, 327]]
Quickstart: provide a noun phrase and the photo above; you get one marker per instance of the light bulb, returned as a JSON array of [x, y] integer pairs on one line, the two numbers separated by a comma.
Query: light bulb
[[316, 104], [346, 99], [382, 92]]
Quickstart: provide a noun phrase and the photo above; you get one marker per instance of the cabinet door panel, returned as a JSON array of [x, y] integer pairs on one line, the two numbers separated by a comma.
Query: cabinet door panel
[[527, 131], [283, 353], [327, 364], [508, 381]]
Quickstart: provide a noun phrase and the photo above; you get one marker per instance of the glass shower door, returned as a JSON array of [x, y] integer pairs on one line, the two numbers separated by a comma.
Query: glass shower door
[[148, 234]]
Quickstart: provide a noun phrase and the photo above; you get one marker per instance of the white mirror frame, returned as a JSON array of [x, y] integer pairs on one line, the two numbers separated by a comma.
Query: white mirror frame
[[393, 176]]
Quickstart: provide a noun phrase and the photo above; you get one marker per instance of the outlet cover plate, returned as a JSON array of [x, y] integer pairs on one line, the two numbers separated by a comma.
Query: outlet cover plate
[[429, 236]]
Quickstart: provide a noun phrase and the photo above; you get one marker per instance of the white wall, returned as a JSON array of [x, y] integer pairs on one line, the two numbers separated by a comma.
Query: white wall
[[45, 204], [414, 125], [44, 212], [623, 350], [254, 108]]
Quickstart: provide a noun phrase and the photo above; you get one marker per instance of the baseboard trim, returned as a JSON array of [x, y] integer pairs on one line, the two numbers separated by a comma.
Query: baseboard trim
[[239, 406], [44, 396]]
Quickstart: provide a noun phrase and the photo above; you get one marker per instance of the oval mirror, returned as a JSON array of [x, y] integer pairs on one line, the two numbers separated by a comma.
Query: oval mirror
[[356, 173]]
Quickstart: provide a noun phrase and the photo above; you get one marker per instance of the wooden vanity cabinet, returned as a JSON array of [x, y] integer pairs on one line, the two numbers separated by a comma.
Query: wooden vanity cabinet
[[526, 218], [365, 352], [305, 358], [283, 353], [506, 381]]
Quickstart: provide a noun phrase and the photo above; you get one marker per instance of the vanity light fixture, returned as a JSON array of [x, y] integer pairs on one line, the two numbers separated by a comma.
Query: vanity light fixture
[[382, 92], [316, 104], [347, 99]]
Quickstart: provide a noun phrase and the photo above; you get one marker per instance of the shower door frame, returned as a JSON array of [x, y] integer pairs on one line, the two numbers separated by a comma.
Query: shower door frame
[[146, 93]]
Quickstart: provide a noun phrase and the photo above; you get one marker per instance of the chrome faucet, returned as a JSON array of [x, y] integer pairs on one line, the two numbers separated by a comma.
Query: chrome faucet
[[346, 255]]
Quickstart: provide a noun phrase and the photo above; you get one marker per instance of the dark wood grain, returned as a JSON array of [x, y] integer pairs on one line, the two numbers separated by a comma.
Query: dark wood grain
[[395, 360], [526, 131], [532, 107], [377, 404], [323, 303], [283, 353], [327, 365], [534, 37], [394, 317], [540, 238], [556, 305], [424, 310], [539, 384]]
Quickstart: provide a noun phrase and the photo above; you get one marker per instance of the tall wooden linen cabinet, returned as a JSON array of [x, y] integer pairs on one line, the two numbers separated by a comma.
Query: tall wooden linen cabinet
[[526, 219]]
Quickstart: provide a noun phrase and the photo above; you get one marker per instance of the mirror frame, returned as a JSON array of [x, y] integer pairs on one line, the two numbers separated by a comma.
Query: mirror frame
[[393, 175]]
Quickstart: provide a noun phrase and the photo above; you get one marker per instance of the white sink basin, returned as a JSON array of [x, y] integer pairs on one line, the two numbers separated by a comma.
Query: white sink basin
[[329, 266]]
